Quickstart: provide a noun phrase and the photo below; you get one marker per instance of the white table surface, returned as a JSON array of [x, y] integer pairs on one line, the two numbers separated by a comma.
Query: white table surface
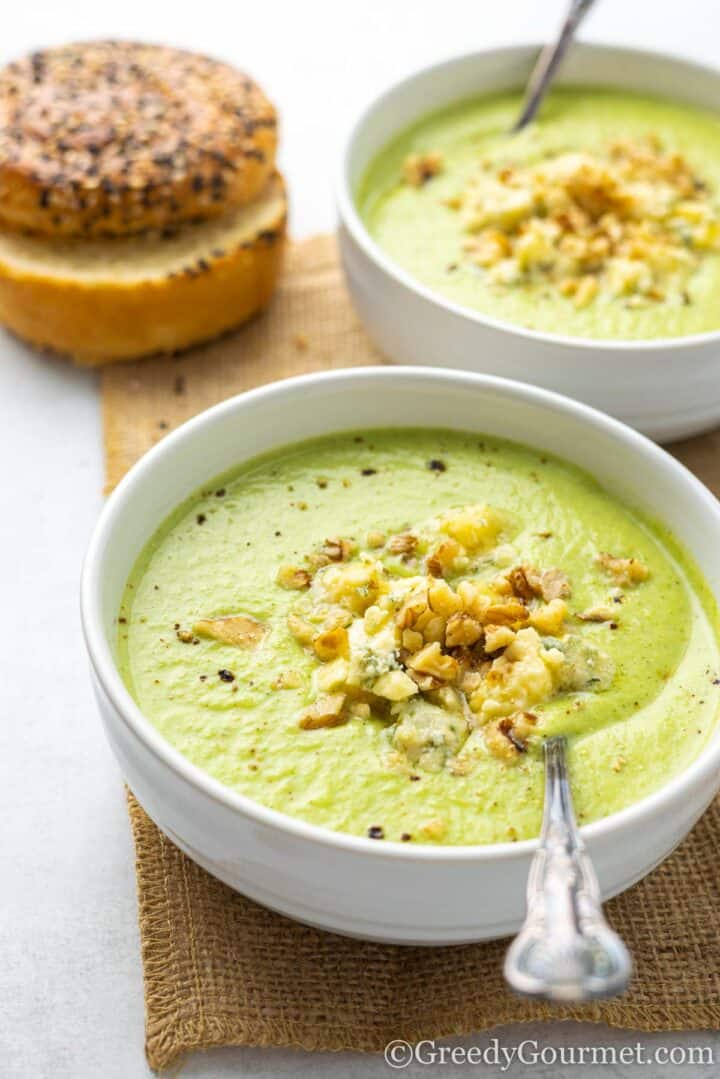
[[70, 978]]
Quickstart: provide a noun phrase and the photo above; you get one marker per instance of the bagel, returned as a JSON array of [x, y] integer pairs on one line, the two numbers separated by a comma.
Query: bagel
[[111, 138], [100, 300]]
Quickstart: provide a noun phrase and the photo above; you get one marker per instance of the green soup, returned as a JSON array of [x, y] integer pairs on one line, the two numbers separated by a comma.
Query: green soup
[[234, 710], [644, 269]]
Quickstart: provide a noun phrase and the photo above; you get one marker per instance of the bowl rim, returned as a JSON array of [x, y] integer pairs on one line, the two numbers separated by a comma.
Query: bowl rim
[[109, 679], [350, 218]]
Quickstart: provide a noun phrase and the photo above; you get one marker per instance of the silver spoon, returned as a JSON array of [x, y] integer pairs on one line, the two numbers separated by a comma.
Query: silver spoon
[[565, 950], [548, 61]]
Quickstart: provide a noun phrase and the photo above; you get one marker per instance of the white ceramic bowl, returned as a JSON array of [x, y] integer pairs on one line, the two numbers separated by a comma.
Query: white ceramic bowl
[[377, 890], [666, 388]]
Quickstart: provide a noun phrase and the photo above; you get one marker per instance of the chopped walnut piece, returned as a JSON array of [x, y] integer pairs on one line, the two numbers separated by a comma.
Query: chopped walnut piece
[[462, 629], [497, 637], [549, 618], [432, 626], [301, 630], [520, 584], [431, 660], [395, 686], [599, 613], [475, 528], [413, 606], [354, 585], [434, 566], [547, 584], [625, 571], [473, 599], [419, 168], [507, 737], [489, 248], [424, 682], [553, 585], [501, 587], [505, 727], [336, 549], [586, 291], [337, 617], [507, 614], [403, 544], [326, 711], [498, 743], [444, 558], [237, 629], [412, 640], [442, 599], [331, 643], [294, 578], [332, 676]]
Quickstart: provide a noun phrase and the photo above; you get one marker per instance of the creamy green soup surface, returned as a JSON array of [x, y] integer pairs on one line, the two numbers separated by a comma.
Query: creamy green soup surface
[[638, 705], [599, 220]]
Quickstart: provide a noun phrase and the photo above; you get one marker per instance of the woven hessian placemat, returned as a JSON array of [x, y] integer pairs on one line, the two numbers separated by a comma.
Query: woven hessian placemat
[[220, 970]]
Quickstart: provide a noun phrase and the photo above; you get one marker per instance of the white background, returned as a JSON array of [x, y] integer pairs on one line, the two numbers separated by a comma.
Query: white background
[[70, 977]]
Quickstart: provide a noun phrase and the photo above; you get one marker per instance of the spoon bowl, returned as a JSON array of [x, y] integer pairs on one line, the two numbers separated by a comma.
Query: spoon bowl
[[565, 950]]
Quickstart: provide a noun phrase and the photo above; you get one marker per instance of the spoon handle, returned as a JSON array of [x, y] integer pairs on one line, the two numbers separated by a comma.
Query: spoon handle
[[565, 950], [548, 61]]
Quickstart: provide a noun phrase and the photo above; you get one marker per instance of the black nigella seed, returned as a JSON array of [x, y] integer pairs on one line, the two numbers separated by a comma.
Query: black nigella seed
[[368, 472], [201, 518], [375, 832], [436, 465], [226, 676]]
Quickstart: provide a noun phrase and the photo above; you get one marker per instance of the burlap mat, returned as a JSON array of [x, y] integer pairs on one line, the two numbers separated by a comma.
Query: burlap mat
[[220, 970]]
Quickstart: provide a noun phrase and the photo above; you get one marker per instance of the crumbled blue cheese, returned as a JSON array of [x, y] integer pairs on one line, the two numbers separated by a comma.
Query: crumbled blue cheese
[[427, 735]]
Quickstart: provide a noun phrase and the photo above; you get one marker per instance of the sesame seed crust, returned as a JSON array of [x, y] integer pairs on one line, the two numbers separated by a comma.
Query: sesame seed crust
[[113, 138]]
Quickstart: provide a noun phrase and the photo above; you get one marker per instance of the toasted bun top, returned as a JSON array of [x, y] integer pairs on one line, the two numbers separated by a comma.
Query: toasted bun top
[[112, 138]]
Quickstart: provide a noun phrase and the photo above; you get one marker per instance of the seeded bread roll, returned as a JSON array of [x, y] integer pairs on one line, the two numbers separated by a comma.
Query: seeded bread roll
[[116, 299], [111, 138]]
